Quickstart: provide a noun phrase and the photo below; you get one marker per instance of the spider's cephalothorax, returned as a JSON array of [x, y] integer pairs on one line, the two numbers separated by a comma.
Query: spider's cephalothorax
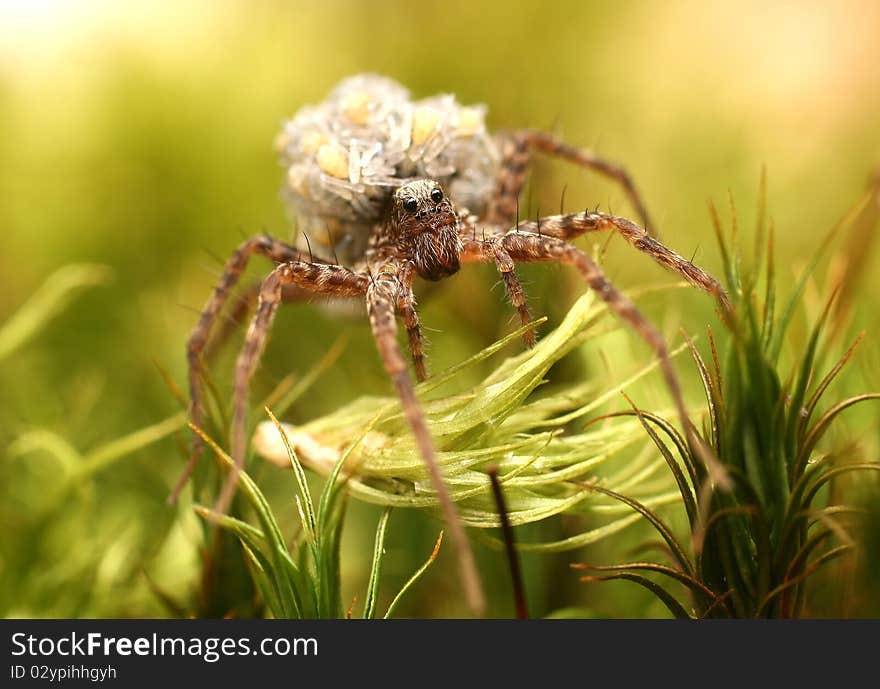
[[423, 226], [364, 176]]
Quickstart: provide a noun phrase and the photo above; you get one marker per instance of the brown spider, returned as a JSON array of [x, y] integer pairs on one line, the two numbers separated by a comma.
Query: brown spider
[[416, 229]]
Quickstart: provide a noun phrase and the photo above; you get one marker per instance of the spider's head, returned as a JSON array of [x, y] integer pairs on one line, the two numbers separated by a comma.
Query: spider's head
[[424, 221]]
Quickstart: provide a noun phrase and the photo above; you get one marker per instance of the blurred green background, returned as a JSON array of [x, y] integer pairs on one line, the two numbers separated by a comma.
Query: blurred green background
[[139, 136]]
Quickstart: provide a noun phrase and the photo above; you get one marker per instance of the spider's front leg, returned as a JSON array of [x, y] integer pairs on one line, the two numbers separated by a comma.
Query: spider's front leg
[[239, 313], [527, 247], [573, 225], [516, 150], [406, 306], [272, 249], [384, 291], [515, 292], [331, 280], [490, 248]]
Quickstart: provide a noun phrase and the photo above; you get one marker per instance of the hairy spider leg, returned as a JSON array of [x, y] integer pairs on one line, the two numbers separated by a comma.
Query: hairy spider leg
[[571, 226], [243, 305], [316, 277], [494, 250], [516, 150], [568, 227], [275, 251], [406, 306], [382, 294], [528, 247]]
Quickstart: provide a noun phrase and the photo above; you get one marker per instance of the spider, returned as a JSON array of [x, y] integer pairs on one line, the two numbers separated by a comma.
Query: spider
[[409, 189]]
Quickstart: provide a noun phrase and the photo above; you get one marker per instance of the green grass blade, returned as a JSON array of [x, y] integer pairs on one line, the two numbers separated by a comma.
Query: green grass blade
[[580, 540], [654, 520], [669, 429], [769, 292], [310, 523], [670, 601], [797, 563], [254, 543], [794, 299], [712, 396], [688, 581], [272, 533], [53, 444], [105, 455], [726, 262], [810, 406], [826, 476], [687, 494], [414, 578], [797, 395], [328, 565], [333, 485], [807, 572], [325, 582], [814, 435], [257, 566], [376, 569], [250, 535], [50, 299]]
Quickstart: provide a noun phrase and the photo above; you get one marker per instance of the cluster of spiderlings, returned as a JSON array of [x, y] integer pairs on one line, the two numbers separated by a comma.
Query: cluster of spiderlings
[[344, 156]]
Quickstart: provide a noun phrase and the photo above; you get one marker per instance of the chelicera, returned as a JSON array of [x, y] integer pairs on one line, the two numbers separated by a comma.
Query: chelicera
[[410, 189]]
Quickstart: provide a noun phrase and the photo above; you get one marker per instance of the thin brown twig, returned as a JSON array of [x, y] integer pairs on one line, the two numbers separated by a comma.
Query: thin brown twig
[[519, 595]]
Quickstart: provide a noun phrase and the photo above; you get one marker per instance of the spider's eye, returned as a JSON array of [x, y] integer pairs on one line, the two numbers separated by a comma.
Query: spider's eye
[[411, 205], [436, 196]]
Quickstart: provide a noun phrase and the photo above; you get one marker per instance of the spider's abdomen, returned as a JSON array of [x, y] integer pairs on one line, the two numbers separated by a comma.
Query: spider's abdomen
[[344, 158]]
